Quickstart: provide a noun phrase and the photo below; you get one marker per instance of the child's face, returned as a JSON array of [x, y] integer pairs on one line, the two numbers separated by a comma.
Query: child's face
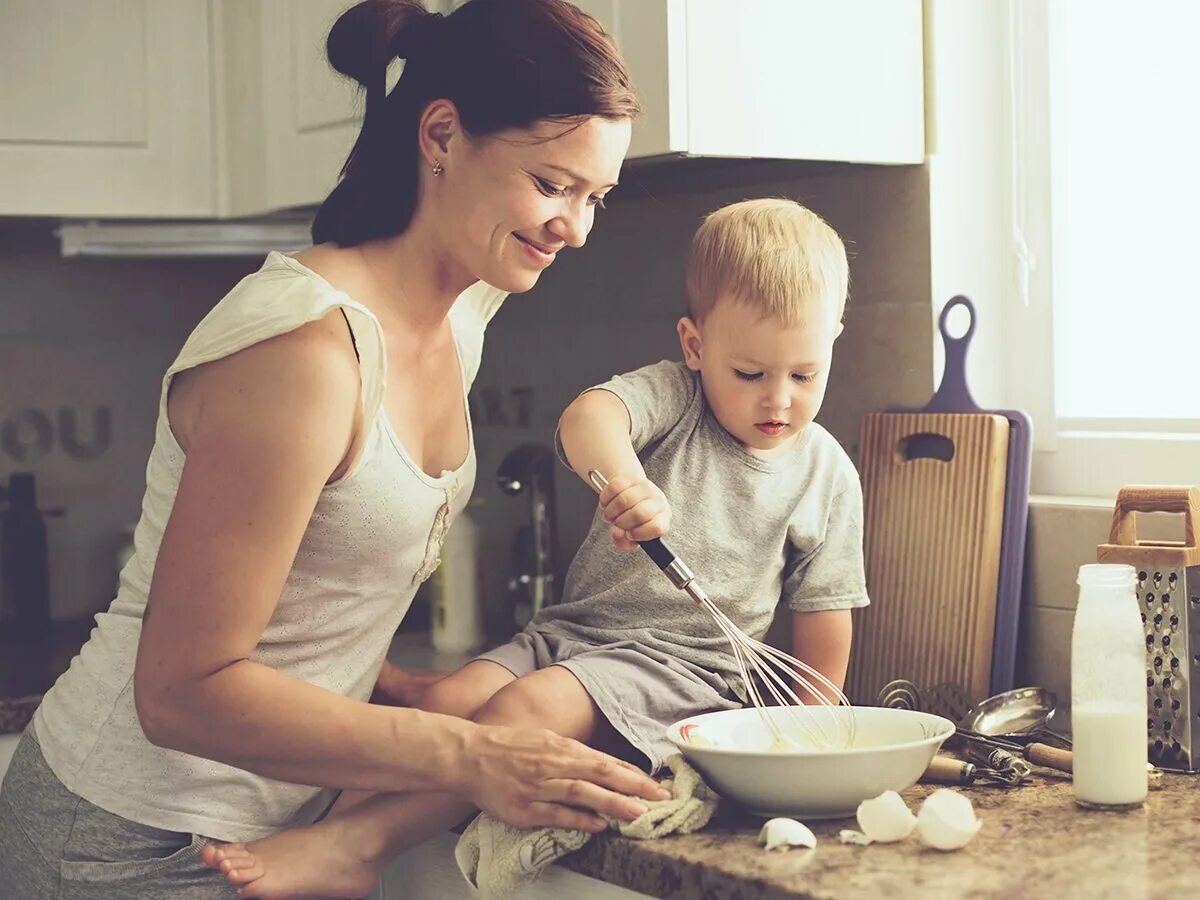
[[764, 380]]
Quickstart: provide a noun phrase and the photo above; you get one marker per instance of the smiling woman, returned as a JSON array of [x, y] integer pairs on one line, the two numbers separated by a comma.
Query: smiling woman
[[313, 446], [481, 60]]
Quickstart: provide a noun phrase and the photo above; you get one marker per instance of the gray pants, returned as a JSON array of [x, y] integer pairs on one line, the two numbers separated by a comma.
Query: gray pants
[[55, 845]]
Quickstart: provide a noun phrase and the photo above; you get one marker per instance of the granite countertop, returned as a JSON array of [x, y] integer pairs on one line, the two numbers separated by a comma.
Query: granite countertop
[[1035, 842]]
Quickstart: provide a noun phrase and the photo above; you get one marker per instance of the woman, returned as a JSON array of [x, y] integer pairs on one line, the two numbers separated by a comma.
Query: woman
[[313, 445]]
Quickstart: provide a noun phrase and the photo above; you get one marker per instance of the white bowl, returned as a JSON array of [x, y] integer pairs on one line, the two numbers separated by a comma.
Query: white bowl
[[890, 751]]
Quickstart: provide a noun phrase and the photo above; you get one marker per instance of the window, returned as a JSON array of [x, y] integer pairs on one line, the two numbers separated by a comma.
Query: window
[[1106, 135]]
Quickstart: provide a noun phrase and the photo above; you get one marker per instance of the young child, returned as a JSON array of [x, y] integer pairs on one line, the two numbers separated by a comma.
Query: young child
[[763, 504]]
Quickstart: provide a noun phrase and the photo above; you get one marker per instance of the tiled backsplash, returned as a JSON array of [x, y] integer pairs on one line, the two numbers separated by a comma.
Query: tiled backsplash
[[84, 343], [1063, 535], [613, 307]]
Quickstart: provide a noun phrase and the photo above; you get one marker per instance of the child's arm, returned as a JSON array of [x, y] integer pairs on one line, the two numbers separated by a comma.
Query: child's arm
[[822, 639], [594, 433]]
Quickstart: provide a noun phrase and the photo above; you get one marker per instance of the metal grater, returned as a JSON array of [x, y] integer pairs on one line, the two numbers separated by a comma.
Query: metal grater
[[1168, 594]]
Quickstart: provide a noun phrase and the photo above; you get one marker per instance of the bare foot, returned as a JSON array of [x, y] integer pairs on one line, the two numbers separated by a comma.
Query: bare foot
[[317, 861]]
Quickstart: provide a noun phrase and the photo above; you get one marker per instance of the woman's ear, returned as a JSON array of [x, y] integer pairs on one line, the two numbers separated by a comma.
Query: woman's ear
[[438, 132], [690, 342]]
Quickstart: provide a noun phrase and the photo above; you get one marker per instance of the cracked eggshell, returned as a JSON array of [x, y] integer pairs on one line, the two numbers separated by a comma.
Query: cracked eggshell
[[850, 836], [946, 820], [886, 818], [785, 834]]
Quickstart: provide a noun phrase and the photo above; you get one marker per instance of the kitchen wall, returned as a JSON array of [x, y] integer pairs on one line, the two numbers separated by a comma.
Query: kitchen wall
[[613, 307], [83, 344], [1063, 535]]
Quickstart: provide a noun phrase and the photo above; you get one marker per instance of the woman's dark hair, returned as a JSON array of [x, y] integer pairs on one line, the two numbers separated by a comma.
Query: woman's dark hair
[[503, 63]]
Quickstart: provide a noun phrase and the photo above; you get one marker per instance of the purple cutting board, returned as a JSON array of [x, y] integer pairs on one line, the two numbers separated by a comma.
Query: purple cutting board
[[953, 396]]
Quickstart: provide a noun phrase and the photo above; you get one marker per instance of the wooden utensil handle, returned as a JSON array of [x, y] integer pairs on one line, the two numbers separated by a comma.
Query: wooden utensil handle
[[1154, 498], [948, 770], [1050, 757]]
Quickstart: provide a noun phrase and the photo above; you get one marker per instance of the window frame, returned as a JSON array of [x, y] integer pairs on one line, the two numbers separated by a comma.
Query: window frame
[[1072, 457]]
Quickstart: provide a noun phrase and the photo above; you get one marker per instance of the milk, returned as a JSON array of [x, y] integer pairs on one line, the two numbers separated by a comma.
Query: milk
[[1108, 689], [1110, 753]]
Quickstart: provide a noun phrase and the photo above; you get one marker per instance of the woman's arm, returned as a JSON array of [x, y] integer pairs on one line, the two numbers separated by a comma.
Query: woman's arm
[[822, 639], [264, 430]]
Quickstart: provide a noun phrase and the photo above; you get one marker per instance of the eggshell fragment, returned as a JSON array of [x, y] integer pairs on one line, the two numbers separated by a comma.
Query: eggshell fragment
[[850, 836], [946, 820], [886, 818], [785, 834]]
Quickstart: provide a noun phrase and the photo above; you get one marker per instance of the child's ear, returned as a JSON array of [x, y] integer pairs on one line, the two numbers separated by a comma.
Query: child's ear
[[689, 341]]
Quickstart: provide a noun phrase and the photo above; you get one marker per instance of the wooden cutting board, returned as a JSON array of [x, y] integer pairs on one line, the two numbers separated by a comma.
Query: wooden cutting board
[[933, 490]]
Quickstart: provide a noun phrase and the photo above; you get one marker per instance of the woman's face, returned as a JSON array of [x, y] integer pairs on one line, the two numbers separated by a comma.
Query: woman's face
[[512, 200]]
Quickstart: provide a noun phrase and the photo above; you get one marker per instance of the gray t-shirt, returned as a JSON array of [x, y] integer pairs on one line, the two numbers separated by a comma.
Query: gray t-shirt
[[756, 531]]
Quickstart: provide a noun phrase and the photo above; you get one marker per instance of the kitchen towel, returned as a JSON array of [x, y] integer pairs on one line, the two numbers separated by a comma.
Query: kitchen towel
[[497, 859]]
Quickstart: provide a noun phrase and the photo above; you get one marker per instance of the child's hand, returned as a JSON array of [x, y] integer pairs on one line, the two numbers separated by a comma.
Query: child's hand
[[636, 509]]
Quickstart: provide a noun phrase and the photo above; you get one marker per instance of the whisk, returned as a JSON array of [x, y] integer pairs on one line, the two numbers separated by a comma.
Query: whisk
[[763, 666]]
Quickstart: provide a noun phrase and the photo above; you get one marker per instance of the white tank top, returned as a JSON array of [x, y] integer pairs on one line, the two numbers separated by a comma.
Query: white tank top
[[374, 536]]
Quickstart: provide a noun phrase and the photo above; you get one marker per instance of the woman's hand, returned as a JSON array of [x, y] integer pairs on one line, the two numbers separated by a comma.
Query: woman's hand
[[533, 777], [635, 509]]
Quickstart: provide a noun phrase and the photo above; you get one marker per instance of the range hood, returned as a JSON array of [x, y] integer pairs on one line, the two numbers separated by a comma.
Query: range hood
[[235, 237]]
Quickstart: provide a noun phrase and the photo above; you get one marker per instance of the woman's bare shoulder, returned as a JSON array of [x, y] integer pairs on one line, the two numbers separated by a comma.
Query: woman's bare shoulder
[[298, 383]]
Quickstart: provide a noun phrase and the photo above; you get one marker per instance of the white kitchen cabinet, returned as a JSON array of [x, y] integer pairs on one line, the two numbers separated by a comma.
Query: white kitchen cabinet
[[290, 119], [839, 80], [169, 108], [105, 108], [223, 108], [790, 79]]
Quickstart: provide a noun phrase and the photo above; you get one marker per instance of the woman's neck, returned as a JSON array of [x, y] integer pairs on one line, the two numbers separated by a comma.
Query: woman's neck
[[414, 283]]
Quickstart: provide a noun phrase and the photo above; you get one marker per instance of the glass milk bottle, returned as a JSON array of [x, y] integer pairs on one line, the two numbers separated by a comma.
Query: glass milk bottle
[[1108, 690]]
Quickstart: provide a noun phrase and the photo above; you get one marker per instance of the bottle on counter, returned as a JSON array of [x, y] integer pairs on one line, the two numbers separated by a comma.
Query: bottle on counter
[[1108, 690], [24, 565], [455, 589]]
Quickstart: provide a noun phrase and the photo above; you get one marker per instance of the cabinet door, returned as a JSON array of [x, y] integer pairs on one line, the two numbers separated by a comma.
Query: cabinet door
[[106, 108], [790, 79], [291, 119], [652, 40], [806, 79]]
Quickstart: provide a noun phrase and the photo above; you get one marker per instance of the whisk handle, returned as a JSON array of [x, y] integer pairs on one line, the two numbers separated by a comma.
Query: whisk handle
[[657, 550], [672, 566]]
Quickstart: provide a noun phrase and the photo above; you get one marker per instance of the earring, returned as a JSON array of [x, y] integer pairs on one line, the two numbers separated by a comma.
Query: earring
[[438, 169]]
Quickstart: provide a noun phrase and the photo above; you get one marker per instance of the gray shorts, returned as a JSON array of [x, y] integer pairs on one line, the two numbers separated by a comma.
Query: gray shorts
[[638, 689], [54, 844]]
